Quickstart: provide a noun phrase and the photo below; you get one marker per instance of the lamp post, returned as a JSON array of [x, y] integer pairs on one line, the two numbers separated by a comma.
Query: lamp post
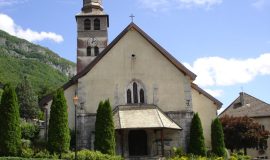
[[75, 101]]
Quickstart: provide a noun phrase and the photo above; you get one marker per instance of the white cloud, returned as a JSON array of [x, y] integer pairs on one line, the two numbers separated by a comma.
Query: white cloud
[[260, 4], [11, 2], [218, 71], [157, 5], [7, 24], [198, 3], [154, 5], [216, 93]]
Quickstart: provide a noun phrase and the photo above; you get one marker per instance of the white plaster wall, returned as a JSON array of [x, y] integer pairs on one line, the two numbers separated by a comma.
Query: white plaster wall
[[207, 111], [112, 74], [69, 94]]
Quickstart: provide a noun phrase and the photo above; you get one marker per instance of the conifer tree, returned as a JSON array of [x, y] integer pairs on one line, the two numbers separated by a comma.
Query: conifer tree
[[196, 144], [58, 134], [28, 101], [105, 135], [10, 131], [99, 127], [217, 138]]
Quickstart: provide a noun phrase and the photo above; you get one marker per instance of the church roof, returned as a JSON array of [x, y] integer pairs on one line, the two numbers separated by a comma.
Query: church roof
[[201, 91], [132, 25], [165, 53], [247, 105], [143, 116]]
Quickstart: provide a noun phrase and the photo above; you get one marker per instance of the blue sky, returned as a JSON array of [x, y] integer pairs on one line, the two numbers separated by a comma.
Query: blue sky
[[225, 42]]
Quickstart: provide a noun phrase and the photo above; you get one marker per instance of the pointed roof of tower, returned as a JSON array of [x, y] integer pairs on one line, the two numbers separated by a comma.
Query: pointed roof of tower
[[92, 7]]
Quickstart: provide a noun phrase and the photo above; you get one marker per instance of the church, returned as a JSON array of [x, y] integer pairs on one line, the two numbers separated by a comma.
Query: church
[[152, 94]]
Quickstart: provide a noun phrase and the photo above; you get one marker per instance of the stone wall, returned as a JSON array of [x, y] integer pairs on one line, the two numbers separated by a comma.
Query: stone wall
[[86, 131], [182, 118]]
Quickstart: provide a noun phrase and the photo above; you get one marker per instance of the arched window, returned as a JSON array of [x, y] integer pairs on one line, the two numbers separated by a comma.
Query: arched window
[[96, 24], [129, 96], [135, 92], [87, 24], [89, 51], [141, 96], [96, 51]]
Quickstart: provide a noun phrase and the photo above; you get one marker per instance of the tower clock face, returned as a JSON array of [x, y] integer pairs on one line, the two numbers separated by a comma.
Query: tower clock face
[[92, 42]]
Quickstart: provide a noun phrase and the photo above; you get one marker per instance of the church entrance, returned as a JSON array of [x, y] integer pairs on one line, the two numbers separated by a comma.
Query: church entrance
[[137, 142]]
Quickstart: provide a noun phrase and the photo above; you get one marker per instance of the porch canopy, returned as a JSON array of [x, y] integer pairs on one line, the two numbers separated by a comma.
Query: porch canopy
[[142, 116]]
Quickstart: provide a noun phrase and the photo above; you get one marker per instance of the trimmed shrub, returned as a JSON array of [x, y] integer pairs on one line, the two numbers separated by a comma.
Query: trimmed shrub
[[44, 154], [26, 143], [10, 131], [104, 127], [240, 156], [196, 144], [29, 131], [39, 144], [58, 134], [27, 153], [217, 138], [194, 157], [178, 151], [90, 155]]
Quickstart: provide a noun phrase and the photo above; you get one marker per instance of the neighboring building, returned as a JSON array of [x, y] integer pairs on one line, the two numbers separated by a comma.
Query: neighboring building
[[247, 105], [152, 94]]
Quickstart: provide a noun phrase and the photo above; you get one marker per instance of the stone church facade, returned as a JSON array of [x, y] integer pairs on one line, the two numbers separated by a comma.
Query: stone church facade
[[152, 94]]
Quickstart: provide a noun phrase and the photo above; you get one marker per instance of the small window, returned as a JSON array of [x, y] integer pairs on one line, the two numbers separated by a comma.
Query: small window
[[141, 96], [89, 51], [96, 51], [87, 24], [128, 96], [96, 24]]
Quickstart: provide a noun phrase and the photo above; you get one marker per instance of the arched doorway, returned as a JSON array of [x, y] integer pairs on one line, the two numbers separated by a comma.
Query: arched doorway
[[137, 142]]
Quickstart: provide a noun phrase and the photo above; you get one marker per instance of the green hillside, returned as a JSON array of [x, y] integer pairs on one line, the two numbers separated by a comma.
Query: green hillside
[[44, 68]]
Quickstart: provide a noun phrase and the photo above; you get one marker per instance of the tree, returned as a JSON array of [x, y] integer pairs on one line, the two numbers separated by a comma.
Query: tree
[[217, 138], [105, 135], [1, 92], [58, 133], [10, 131], [196, 144], [243, 133], [28, 101]]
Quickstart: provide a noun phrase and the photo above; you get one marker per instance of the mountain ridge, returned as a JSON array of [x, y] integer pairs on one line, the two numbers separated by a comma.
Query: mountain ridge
[[45, 69]]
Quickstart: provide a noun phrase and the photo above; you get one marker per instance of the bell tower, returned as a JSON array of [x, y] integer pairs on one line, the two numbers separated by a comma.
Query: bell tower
[[92, 32]]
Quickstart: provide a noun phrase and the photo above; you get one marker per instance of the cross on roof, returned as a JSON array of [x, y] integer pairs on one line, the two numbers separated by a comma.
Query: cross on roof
[[132, 17]]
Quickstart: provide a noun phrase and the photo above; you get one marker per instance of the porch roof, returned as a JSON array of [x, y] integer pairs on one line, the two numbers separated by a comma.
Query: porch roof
[[142, 116]]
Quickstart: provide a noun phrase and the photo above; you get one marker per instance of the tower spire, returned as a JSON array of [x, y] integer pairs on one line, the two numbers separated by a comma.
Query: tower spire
[[93, 6]]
